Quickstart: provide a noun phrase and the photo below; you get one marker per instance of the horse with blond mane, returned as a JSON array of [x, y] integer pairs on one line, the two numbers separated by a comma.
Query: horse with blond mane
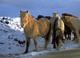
[[57, 30], [35, 28]]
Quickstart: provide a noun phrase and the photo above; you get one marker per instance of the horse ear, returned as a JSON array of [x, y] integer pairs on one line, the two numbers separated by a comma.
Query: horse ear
[[20, 11], [27, 11]]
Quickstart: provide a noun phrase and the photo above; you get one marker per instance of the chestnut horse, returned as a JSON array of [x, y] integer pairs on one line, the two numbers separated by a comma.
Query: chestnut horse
[[35, 28]]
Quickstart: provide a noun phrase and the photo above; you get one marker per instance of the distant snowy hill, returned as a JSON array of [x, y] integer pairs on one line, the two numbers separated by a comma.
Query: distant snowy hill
[[11, 35]]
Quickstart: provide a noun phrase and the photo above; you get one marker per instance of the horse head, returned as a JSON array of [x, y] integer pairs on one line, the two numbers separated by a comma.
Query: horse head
[[26, 17], [23, 14], [56, 15]]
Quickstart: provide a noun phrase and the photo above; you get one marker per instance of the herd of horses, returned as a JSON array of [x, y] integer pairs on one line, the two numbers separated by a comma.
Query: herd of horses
[[59, 27]]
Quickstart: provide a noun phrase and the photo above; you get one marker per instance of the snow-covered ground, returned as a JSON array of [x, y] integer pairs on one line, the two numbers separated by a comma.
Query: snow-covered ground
[[12, 40]]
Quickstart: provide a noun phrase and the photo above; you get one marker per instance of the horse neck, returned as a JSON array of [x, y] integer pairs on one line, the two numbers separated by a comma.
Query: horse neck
[[28, 18]]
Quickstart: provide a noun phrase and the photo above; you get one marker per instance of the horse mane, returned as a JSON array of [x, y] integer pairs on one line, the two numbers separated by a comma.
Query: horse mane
[[30, 15], [40, 16], [67, 14], [48, 17]]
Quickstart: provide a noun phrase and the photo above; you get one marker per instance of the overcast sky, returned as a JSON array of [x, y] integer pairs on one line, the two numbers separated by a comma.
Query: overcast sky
[[36, 7]]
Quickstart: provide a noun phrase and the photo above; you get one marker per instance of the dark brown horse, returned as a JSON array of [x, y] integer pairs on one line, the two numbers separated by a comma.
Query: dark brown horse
[[73, 22]]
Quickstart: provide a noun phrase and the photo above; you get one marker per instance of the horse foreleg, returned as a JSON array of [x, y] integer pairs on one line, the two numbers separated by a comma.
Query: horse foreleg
[[54, 44], [35, 43], [27, 45]]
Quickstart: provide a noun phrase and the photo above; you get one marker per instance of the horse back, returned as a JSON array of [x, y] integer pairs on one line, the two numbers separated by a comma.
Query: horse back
[[72, 22], [44, 25]]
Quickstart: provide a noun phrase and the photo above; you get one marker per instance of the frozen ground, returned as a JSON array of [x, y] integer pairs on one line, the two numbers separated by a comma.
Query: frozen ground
[[12, 41]]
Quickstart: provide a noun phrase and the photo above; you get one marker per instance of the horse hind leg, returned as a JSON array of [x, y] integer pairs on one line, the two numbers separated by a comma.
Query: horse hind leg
[[35, 43], [77, 39], [47, 39], [46, 43], [69, 36]]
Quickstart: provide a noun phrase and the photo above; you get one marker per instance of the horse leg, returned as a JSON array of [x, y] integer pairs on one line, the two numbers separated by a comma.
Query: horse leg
[[63, 38], [54, 38], [54, 42], [46, 42], [35, 43], [69, 36], [59, 40], [74, 36], [77, 37], [65, 34], [27, 45], [47, 38]]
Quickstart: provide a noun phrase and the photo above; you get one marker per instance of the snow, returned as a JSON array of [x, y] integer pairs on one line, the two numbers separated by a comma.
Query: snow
[[11, 34]]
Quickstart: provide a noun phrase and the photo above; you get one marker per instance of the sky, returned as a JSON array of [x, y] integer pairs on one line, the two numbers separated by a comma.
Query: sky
[[39, 7]]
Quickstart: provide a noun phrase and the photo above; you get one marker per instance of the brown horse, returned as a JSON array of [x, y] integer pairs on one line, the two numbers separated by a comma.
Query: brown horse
[[35, 28], [58, 30], [73, 22]]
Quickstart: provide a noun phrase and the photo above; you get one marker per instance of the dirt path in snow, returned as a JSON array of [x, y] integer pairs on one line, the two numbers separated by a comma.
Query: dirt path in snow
[[74, 53]]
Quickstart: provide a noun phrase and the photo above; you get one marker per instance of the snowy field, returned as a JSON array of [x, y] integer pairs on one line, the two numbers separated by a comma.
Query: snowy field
[[12, 41]]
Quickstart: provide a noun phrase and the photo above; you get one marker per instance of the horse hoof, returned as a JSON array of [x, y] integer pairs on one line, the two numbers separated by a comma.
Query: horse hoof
[[25, 52], [54, 47], [35, 50]]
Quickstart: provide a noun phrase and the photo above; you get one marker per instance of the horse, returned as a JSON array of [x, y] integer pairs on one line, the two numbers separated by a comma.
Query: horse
[[35, 28], [67, 32], [58, 30], [73, 22]]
